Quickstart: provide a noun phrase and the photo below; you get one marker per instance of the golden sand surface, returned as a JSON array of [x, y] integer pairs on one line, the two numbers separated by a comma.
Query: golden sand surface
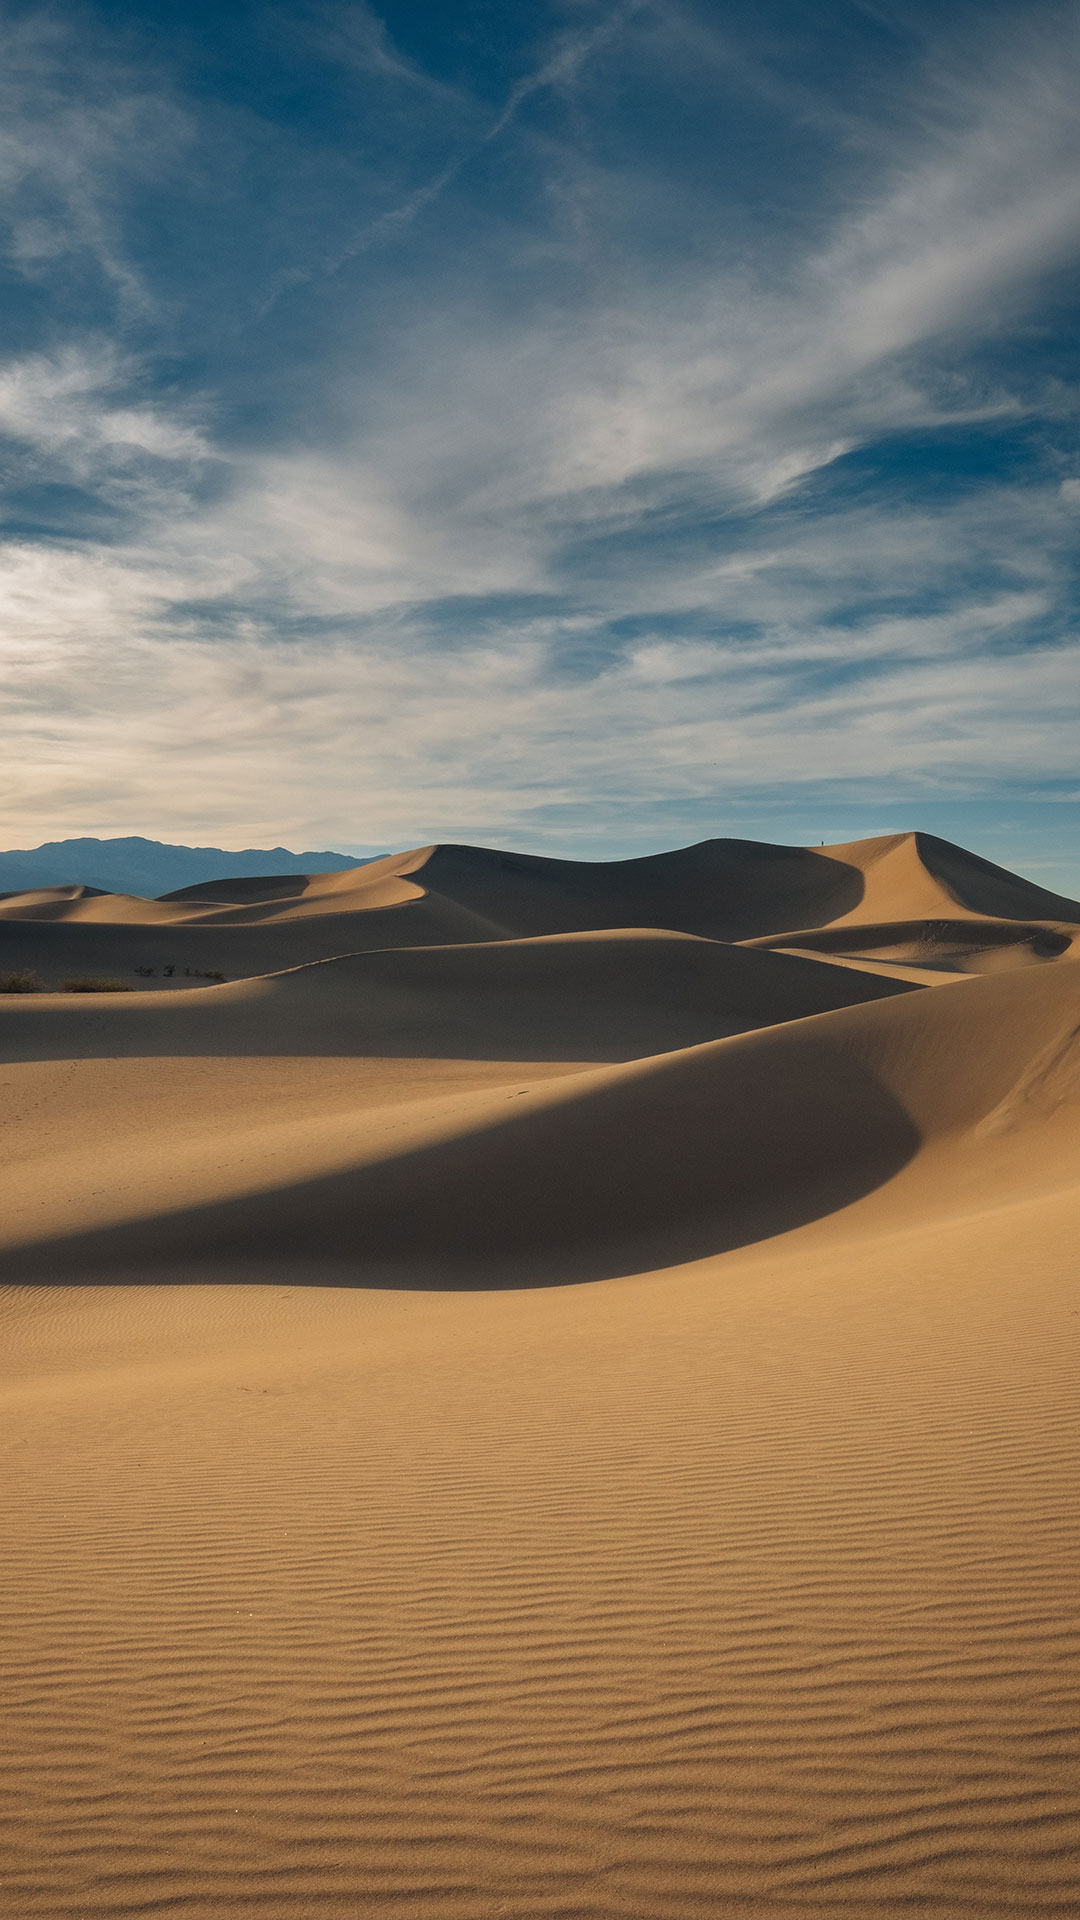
[[551, 1392]]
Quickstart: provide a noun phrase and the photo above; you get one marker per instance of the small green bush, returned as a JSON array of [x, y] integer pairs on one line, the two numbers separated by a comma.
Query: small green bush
[[25, 981], [92, 984]]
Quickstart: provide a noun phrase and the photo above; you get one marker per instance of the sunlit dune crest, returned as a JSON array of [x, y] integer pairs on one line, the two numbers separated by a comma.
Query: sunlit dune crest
[[544, 1387]]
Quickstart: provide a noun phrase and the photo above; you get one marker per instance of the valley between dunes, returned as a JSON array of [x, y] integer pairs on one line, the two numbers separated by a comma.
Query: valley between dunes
[[550, 1392]]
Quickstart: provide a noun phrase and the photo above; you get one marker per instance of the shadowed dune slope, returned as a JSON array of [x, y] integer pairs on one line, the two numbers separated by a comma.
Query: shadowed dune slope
[[729, 890], [655, 1161], [167, 939], [987, 889], [737, 889], [721, 889], [942, 946], [134, 1104], [378, 883], [916, 876], [549, 1413], [578, 996]]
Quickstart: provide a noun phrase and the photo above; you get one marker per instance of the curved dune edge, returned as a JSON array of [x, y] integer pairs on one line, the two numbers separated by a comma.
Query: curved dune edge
[[635, 990], [726, 890], [358, 1561], [655, 1162], [960, 946], [746, 1587]]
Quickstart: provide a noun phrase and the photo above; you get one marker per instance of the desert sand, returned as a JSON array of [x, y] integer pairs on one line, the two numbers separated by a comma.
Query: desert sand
[[552, 1391]]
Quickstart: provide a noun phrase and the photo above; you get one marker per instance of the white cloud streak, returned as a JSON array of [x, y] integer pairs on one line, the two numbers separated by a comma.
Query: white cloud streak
[[369, 46], [385, 743], [278, 664], [75, 129]]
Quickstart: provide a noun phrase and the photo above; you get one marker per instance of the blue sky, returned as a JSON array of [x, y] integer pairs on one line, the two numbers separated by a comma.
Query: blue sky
[[586, 427]]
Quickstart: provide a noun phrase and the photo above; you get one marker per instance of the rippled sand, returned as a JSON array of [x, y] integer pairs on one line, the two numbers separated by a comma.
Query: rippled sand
[[576, 1421]]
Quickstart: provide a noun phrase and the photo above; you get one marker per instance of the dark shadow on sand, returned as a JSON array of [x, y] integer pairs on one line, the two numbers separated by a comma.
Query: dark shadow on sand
[[560, 1001], [727, 890], [718, 889], [928, 939], [706, 1152]]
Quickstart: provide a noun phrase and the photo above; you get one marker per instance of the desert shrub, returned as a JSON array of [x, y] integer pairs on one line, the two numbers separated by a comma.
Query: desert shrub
[[24, 980], [97, 984], [198, 973]]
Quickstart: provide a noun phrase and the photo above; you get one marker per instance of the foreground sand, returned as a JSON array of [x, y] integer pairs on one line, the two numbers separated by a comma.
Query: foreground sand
[[581, 1423]]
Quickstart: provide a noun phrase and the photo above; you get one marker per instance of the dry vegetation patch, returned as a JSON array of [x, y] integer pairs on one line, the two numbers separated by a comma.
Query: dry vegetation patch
[[21, 980], [92, 983]]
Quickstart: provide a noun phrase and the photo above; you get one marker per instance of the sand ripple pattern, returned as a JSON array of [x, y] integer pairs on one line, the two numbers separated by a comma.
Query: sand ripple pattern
[[690, 1599], [743, 1582]]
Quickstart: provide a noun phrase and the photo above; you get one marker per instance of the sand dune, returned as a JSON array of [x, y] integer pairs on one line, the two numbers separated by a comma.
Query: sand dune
[[938, 946], [730, 890], [736, 889], [542, 1408], [563, 997], [689, 1152]]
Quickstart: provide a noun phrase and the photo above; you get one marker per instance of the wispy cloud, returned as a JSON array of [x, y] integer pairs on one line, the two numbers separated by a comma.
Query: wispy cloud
[[488, 734], [65, 407], [561, 67], [76, 128], [538, 508], [368, 43], [354, 34]]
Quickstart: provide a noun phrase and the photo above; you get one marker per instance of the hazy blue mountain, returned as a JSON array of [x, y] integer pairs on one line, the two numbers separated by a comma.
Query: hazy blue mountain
[[151, 867]]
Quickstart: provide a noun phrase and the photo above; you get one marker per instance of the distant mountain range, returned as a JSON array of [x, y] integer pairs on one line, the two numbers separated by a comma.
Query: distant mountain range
[[152, 867]]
